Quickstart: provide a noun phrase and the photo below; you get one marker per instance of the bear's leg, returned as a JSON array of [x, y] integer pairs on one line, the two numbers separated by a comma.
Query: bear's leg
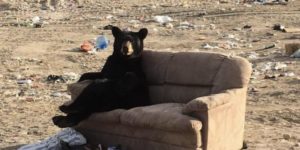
[[96, 91], [90, 76], [69, 121]]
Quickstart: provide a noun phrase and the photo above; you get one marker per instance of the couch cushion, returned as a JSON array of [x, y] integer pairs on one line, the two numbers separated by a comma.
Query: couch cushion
[[113, 134], [166, 117]]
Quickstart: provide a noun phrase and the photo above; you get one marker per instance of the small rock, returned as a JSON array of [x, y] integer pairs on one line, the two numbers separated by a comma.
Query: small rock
[[247, 27], [236, 29], [212, 26], [286, 137]]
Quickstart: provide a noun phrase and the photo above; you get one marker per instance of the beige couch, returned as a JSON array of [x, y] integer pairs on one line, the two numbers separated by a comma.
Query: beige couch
[[198, 103]]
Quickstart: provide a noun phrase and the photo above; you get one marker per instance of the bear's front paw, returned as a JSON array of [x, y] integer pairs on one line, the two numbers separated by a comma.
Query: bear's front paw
[[68, 109], [63, 121]]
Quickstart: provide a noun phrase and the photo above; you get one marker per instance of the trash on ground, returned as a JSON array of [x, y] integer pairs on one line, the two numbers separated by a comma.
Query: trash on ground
[[56, 94], [55, 78], [270, 46], [270, 2], [296, 54], [291, 48], [207, 46], [271, 76], [37, 22], [279, 66], [162, 19], [185, 25], [67, 136], [24, 81], [87, 46], [101, 42], [278, 27], [288, 74], [169, 25]]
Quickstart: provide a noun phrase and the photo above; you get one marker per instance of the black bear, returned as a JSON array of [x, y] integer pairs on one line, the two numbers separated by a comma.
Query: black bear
[[120, 84]]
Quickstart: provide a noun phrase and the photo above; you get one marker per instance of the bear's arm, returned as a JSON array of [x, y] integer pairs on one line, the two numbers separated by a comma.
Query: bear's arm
[[97, 75]]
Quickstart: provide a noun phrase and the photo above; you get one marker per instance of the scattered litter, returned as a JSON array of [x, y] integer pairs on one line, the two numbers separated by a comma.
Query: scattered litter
[[134, 21], [55, 78], [24, 81], [279, 66], [37, 22], [265, 67], [162, 19], [169, 25], [229, 45], [110, 17], [296, 54], [185, 25], [271, 76], [56, 94], [207, 46], [278, 27], [291, 48], [270, 2], [86, 46], [252, 55], [101, 43], [270, 46], [288, 74]]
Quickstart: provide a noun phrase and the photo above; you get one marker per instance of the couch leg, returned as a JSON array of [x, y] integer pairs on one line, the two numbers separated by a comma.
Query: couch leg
[[245, 146]]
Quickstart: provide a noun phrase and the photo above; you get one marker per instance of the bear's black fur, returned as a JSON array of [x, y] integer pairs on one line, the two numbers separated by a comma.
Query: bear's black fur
[[120, 84]]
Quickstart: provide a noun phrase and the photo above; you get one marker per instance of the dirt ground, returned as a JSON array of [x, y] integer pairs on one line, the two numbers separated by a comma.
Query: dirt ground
[[244, 29]]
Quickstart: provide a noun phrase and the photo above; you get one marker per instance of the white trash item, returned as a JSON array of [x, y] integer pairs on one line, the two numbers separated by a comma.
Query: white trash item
[[296, 54], [162, 19], [68, 135]]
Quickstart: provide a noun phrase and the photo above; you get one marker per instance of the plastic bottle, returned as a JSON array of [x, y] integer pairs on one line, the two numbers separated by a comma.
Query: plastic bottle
[[101, 42]]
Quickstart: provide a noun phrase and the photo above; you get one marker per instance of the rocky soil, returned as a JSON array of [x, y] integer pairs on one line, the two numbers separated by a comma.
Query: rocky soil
[[28, 55]]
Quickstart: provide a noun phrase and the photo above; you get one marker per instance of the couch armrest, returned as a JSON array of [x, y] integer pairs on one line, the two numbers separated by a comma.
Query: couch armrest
[[223, 118], [206, 103]]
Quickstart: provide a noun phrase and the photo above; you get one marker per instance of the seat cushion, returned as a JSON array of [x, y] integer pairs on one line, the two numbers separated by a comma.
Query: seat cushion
[[167, 116]]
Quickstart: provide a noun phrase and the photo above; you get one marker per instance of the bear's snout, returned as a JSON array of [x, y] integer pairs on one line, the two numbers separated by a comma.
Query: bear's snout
[[127, 48]]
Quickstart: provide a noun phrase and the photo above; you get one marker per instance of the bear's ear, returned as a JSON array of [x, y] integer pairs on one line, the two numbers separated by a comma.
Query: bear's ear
[[116, 31], [143, 33]]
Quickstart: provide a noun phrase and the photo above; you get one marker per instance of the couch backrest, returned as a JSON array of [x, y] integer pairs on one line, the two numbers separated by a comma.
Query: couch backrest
[[183, 76]]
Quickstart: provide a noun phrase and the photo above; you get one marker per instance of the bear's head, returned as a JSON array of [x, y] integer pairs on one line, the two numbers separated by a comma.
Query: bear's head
[[128, 44]]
